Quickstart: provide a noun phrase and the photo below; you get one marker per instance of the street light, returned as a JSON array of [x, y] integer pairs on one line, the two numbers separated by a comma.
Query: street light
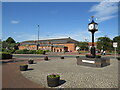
[[38, 39], [93, 27]]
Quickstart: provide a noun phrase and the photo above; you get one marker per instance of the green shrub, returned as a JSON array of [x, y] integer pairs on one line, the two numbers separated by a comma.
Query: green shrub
[[39, 51], [11, 51], [32, 51], [8, 51], [4, 50], [98, 56], [5, 55], [24, 51], [23, 65], [47, 50], [53, 75], [18, 52]]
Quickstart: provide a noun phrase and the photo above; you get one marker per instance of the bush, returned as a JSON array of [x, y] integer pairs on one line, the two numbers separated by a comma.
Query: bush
[[25, 51], [11, 51], [98, 56], [47, 50], [5, 55], [39, 51], [18, 52], [3, 49], [8, 51], [32, 51], [53, 75], [92, 56]]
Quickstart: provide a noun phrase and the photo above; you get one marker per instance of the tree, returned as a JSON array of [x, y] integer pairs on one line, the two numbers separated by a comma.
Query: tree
[[0, 41], [104, 43], [4, 44], [9, 44], [83, 45], [10, 40], [117, 39]]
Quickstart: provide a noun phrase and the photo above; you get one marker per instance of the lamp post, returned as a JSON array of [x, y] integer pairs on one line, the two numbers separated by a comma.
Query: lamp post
[[93, 27], [38, 39]]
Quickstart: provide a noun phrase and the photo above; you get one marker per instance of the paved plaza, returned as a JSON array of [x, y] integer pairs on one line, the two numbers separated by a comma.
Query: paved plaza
[[73, 75]]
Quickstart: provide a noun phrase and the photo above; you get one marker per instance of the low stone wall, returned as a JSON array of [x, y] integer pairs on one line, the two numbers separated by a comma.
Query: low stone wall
[[94, 62]]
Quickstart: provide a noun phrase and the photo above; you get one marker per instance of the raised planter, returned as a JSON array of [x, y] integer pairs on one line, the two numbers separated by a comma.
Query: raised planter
[[23, 67], [46, 58], [93, 62], [77, 56], [30, 61], [61, 57], [92, 56], [118, 58], [98, 56], [44, 52], [5, 55], [53, 80]]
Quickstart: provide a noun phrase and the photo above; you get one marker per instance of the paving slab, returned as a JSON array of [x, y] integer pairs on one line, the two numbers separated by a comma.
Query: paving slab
[[73, 75]]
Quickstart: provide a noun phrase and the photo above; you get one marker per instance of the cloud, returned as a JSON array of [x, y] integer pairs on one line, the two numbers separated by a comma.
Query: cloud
[[105, 10], [14, 22]]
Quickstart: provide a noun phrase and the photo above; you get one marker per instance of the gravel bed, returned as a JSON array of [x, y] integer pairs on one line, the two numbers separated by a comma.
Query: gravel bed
[[73, 75]]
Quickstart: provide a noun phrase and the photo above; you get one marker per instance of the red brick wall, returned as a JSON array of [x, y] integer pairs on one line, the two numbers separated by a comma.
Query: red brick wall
[[71, 47], [29, 47]]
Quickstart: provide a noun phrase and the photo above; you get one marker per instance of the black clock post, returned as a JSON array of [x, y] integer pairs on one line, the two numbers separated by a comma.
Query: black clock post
[[93, 27], [93, 59]]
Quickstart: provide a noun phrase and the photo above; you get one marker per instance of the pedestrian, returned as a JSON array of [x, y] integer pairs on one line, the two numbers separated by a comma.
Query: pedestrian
[[78, 51], [44, 52], [64, 51], [103, 52]]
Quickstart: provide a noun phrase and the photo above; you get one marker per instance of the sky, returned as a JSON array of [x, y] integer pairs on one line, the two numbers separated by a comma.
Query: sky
[[20, 20]]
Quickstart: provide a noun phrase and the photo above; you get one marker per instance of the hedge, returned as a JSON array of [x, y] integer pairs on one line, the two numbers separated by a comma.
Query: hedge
[[25, 51], [8, 51], [5, 55]]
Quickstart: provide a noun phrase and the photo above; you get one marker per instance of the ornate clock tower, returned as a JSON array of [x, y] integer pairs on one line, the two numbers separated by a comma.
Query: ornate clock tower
[[93, 27]]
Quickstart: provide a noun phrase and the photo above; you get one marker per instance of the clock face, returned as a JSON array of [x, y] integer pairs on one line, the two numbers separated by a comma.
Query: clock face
[[96, 26], [91, 26]]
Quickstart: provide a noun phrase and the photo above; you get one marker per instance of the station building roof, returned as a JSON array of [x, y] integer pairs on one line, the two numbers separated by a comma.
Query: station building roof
[[50, 41]]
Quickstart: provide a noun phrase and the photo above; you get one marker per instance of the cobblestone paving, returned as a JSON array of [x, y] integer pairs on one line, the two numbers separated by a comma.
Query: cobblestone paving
[[76, 76]]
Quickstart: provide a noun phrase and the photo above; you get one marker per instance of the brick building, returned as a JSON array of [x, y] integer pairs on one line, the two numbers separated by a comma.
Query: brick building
[[90, 44], [54, 45]]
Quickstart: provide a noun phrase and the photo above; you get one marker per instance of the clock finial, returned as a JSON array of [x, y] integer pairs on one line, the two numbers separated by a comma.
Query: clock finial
[[92, 17]]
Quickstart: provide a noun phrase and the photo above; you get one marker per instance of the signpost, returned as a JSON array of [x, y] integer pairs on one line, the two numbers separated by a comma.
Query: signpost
[[115, 45]]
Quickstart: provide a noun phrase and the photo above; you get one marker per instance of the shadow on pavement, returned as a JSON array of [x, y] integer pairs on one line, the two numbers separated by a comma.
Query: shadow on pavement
[[30, 69], [61, 82]]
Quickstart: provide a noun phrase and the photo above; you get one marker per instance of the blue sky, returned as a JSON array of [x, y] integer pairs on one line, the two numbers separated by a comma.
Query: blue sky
[[58, 20]]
